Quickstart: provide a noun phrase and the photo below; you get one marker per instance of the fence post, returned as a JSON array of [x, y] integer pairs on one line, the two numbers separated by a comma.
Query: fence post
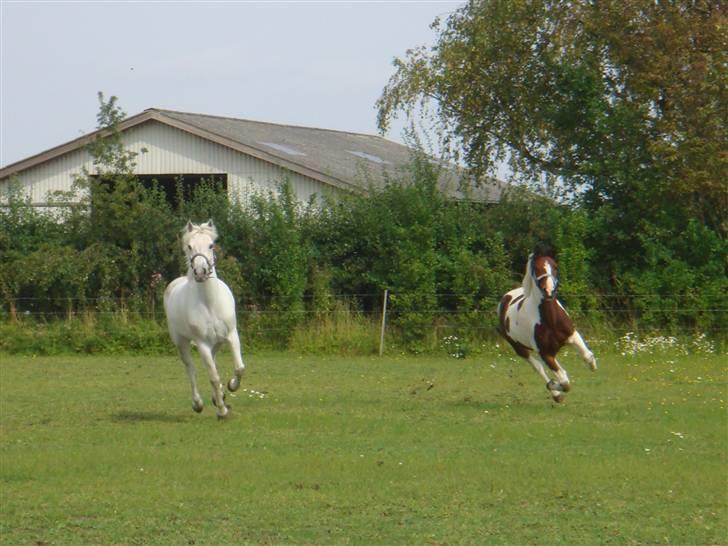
[[384, 322], [13, 310]]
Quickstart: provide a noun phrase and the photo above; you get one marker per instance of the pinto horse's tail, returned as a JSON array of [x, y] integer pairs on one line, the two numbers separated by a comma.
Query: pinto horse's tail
[[502, 307]]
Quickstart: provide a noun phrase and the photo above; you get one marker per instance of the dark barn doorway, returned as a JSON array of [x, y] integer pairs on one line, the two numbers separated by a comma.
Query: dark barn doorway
[[178, 187]]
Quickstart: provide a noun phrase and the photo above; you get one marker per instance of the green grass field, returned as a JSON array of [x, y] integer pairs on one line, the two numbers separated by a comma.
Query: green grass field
[[364, 450]]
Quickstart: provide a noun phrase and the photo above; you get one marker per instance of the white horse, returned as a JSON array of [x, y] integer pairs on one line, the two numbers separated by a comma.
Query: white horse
[[200, 309], [533, 320]]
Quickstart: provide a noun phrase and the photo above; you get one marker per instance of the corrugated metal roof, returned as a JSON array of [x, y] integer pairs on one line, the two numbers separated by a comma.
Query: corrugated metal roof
[[350, 161]]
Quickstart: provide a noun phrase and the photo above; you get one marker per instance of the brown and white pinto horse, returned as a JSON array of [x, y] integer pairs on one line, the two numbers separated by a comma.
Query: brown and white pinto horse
[[533, 320]]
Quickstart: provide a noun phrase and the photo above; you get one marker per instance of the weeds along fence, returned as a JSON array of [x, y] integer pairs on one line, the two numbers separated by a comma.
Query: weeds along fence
[[345, 323]]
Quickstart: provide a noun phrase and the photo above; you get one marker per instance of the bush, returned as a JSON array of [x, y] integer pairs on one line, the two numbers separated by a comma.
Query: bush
[[312, 277]]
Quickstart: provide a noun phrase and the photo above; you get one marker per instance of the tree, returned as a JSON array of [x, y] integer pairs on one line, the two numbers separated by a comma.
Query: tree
[[624, 101], [118, 215]]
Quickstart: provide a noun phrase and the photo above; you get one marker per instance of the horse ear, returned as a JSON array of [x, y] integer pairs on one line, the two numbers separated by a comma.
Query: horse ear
[[190, 225], [210, 224], [544, 249]]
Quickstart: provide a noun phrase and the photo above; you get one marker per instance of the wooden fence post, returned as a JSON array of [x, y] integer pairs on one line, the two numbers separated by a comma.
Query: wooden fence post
[[384, 322]]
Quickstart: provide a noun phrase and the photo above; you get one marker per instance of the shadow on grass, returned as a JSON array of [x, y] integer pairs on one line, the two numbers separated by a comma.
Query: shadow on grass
[[146, 417]]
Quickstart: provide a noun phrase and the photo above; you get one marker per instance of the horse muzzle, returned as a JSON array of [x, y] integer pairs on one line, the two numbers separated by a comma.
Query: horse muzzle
[[201, 272], [201, 277]]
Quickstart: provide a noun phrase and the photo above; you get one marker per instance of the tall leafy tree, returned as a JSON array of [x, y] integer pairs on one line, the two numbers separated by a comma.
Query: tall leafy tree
[[624, 101]]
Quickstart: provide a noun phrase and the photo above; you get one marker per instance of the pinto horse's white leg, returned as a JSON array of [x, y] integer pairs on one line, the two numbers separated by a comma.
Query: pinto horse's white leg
[[185, 354], [577, 341], [552, 386], [234, 340], [562, 377], [536, 363], [218, 394]]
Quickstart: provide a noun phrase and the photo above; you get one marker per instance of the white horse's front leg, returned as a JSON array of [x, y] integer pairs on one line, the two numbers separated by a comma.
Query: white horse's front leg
[[218, 394], [234, 340], [239, 366], [185, 354], [577, 341]]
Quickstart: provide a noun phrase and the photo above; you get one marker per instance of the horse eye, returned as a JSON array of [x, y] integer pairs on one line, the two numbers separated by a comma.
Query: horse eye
[[211, 246], [189, 247]]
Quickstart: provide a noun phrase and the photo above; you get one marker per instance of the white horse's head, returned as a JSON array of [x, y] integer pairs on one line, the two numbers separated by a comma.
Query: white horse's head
[[198, 242]]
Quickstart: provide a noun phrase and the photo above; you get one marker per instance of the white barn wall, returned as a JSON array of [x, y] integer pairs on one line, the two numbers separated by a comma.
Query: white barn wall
[[56, 175], [171, 151]]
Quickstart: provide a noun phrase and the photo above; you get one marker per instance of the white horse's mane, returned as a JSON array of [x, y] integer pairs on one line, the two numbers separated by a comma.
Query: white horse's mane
[[192, 230]]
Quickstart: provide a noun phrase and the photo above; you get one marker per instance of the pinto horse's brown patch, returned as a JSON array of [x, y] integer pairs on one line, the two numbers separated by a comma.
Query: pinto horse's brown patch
[[503, 325], [521, 350], [554, 328]]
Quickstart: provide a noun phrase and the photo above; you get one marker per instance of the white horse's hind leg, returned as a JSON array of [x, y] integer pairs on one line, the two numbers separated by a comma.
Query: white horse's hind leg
[[234, 340], [218, 394], [577, 341], [185, 354]]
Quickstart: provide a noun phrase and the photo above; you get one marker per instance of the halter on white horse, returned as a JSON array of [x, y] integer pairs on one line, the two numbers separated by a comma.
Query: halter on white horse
[[200, 309], [200, 260]]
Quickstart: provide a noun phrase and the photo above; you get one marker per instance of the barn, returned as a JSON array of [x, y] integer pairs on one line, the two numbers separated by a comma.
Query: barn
[[246, 157]]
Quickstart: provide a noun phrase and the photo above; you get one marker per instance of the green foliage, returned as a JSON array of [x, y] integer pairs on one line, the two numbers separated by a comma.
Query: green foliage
[[684, 282], [275, 262], [323, 268], [341, 330], [621, 99], [90, 333], [622, 104]]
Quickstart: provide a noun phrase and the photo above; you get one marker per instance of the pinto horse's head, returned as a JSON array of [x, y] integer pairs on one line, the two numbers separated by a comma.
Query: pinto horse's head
[[198, 242], [545, 274]]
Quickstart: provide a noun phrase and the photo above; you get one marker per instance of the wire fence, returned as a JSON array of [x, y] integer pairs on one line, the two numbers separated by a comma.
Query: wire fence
[[447, 312]]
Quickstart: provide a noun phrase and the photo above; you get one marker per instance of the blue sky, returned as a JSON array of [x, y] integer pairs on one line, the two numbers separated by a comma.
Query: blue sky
[[319, 64]]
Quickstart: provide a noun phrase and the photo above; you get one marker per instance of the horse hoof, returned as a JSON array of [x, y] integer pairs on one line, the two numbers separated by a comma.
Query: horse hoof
[[214, 403], [558, 398], [592, 363], [197, 407], [233, 384], [565, 387], [553, 386]]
